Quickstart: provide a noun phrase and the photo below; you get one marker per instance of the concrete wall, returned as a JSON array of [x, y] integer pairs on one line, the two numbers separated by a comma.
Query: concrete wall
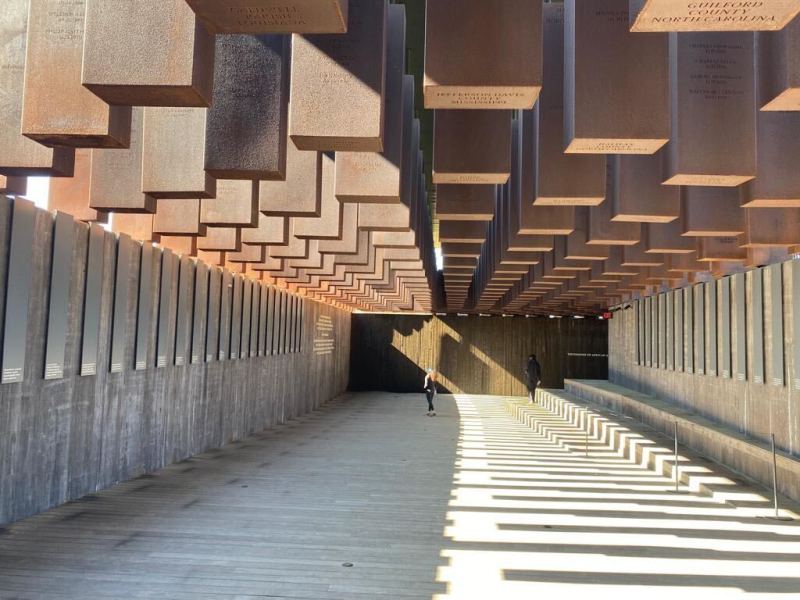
[[474, 355], [62, 439], [751, 408]]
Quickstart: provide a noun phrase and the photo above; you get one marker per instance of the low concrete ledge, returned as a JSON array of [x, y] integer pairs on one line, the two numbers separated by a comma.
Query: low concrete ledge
[[728, 447]]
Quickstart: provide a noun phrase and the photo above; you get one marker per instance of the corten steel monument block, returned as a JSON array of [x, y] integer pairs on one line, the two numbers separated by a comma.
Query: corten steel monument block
[[337, 84], [272, 16], [616, 82], [18, 154], [178, 217], [720, 248], [711, 211], [465, 202], [372, 176], [777, 182], [638, 195], [472, 146], [561, 179], [300, 194], [247, 124], [271, 231], [174, 153], [713, 140], [482, 54], [117, 174], [71, 194], [236, 204], [220, 239], [179, 244], [328, 225], [688, 15], [666, 238], [13, 185], [147, 53], [138, 226], [770, 227], [779, 68], [57, 110]]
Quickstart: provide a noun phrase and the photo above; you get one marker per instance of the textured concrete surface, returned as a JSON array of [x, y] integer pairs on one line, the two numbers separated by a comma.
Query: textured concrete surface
[[369, 498]]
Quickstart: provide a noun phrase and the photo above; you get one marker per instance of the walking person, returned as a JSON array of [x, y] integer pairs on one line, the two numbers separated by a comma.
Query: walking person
[[533, 377], [430, 390]]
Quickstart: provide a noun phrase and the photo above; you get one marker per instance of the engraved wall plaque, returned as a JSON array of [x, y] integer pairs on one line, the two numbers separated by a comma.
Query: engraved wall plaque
[[497, 64], [711, 327], [185, 316], [725, 326], [337, 84], [619, 110], [561, 179], [174, 153], [663, 335], [280, 324], [472, 146], [290, 317], [116, 175], [200, 316], [669, 341], [648, 355], [255, 320], [144, 317], [756, 318], [669, 15], [147, 53], [225, 319], [18, 154], [638, 194], [235, 205], [272, 16], [679, 329], [795, 300], [640, 333], [122, 292], [779, 72], [58, 302], [166, 310], [236, 317], [655, 333], [247, 318], [699, 329], [688, 304], [71, 194], [54, 54], [92, 300], [263, 348], [712, 85], [740, 326], [246, 131], [777, 362], [301, 193], [214, 320], [270, 332], [17, 291]]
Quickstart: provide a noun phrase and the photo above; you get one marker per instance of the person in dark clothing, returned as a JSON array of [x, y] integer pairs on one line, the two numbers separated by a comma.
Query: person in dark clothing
[[430, 390], [533, 377]]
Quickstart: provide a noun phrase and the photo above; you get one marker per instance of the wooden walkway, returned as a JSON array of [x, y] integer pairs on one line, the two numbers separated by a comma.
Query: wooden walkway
[[369, 499]]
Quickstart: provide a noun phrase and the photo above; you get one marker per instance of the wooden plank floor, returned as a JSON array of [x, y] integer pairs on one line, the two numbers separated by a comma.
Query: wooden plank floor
[[467, 505]]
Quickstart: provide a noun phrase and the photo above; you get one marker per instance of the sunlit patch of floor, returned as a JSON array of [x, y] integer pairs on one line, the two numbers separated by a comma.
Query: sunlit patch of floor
[[532, 515]]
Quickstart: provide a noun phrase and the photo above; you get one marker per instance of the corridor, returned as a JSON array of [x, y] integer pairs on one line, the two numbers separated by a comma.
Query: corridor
[[369, 498]]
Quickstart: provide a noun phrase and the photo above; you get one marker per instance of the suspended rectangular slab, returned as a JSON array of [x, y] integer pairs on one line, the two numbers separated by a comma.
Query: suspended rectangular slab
[[616, 82], [686, 263], [220, 239], [760, 257], [338, 84], [13, 185], [771, 227], [666, 238], [720, 248], [236, 204], [117, 175], [384, 217], [178, 217], [19, 155], [300, 194], [272, 16], [465, 202], [712, 86], [328, 225], [211, 257], [247, 124], [777, 184], [602, 230], [636, 256], [184, 245], [268, 264], [296, 248], [373, 176], [57, 110], [465, 232], [138, 226], [681, 15], [711, 211], [638, 195], [248, 254], [472, 146], [482, 55], [173, 154], [779, 69], [461, 250], [560, 179], [71, 194], [612, 266], [147, 53], [270, 231]]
